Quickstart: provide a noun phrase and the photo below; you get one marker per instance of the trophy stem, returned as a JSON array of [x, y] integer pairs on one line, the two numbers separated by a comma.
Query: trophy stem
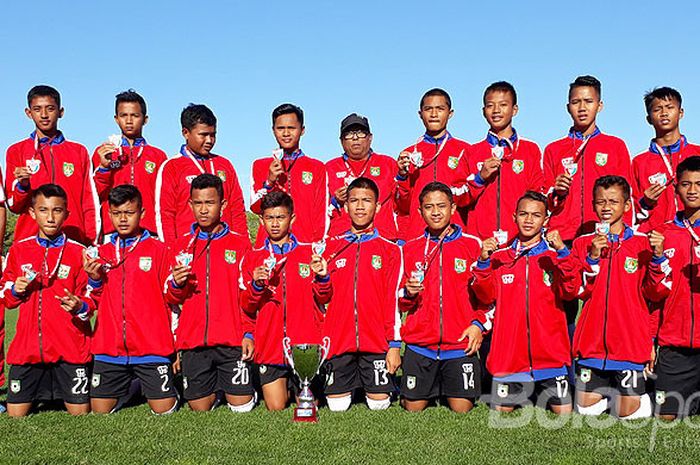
[[306, 410]]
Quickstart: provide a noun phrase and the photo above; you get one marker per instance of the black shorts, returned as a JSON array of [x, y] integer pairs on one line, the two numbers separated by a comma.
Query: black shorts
[[49, 381], [347, 372], [678, 380], [609, 382], [206, 370], [270, 373], [112, 381], [425, 378], [550, 391]]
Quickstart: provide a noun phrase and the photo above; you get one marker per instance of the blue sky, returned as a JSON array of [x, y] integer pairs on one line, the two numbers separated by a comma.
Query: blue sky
[[332, 58]]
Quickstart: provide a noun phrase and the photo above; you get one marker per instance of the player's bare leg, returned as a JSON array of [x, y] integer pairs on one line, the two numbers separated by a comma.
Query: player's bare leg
[[19, 410], [276, 394], [414, 405], [102, 406], [460, 405], [78, 409], [161, 406], [203, 404]]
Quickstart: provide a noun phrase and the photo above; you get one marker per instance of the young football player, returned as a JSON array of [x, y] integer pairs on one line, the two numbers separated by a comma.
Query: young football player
[[276, 283], [654, 170], [213, 336], [50, 353], [128, 160], [621, 271], [133, 337], [519, 167], [290, 170], [47, 157], [443, 327], [362, 318], [528, 280], [195, 158]]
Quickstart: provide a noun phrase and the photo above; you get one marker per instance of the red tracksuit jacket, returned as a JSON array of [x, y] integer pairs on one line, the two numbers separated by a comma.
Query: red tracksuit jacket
[[60, 162], [650, 166], [287, 307], [381, 169], [46, 333], [210, 314], [615, 323], [446, 307], [305, 181], [529, 324], [602, 155], [446, 163], [680, 312], [133, 318], [141, 170], [173, 215], [521, 171], [362, 314]]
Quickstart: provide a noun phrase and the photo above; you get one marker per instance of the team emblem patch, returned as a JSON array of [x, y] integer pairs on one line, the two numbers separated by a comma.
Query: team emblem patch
[[189, 179], [307, 177], [145, 263], [68, 169], [329, 379], [601, 159], [508, 278], [631, 264], [63, 271], [411, 382], [230, 256], [375, 170], [16, 386], [548, 278], [95, 380], [518, 166], [263, 369], [670, 252], [185, 383], [460, 265], [376, 262], [585, 375], [453, 162], [697, 250], [340, 263], [341, 174], [502, 390], [150, 167], [221, 174], [304, 270], [660, 397]]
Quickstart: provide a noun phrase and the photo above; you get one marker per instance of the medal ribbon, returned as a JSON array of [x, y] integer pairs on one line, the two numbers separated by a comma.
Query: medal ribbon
[[188, 154], [45, 264]]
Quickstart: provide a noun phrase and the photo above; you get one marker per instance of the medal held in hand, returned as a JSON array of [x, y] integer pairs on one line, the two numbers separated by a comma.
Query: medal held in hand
[[501, 236], [497, 152], [270, 262], [318, 247], [419, 273], [92, 252], [602, 228], [417, 159], [184, 259]]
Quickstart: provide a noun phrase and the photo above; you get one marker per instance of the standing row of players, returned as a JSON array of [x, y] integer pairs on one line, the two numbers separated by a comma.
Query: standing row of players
[[437, 156]]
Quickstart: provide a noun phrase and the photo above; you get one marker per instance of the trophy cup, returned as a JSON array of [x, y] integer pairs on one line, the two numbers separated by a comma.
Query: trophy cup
[[306, 361]]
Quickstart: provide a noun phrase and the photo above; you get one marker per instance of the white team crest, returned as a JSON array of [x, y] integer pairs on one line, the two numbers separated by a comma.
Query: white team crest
[[190, 178], [68, 169], [145, 263], [340, 263], [660, 397], [508, 278], [263, 369], [479, 165], [631, 264], [460, 265], [63, 271], [502, 390], [329, 379], [185, 383], [518, 166], [585, 375], [411, 382], [375, 170], [307, 177], [697, 250], [15, 386], [453, 162], [95, 380], [670, 252], [150, 167], [376, 262], [341, 174], [601, 159]]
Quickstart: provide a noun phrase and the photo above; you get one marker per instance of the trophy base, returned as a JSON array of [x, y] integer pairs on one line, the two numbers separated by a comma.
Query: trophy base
[[306, 414]]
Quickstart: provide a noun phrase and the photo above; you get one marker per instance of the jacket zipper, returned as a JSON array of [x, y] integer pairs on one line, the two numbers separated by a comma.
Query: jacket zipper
[[441, 316], [126, 348], [206, 305], [605, 317], [357, 323], [435, 162], [527, 314], [41, 292], [692, 303], [583, 186], [498, 202], [284, 301]]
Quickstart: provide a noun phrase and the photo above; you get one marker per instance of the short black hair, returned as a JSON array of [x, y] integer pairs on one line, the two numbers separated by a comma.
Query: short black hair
[[286, 109], [196, 113], [609, 181], [364, 183], [502, 86], [277, 199], [123, 194], [689, 164], [43, 91], [662, 93], [436, 92], [130, 96], [206, 181], [48, 191], [587, 81], [534, 196], [436, 187]]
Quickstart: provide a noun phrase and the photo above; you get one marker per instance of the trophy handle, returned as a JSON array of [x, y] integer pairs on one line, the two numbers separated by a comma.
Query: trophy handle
[[324, 349], [287, 349]]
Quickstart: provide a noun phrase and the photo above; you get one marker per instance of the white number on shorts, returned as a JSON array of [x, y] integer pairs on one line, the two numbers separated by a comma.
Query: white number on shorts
[[562, 388], [81, 385], [629, 379], [468, 379], [241, 376], [380, 377], [164, 387]]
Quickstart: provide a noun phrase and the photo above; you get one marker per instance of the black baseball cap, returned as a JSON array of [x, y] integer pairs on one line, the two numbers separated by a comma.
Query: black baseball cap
[[354, 120]]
